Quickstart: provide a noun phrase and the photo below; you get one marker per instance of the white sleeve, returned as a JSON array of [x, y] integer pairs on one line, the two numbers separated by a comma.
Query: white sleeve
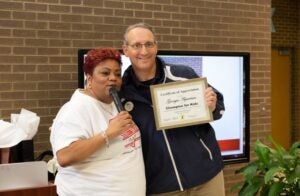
[[68, 126]]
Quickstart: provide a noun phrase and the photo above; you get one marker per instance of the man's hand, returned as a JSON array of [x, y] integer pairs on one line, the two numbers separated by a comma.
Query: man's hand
[[211, 98]]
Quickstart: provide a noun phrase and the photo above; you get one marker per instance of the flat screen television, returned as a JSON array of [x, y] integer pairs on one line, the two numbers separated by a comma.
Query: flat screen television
[[229, 72]]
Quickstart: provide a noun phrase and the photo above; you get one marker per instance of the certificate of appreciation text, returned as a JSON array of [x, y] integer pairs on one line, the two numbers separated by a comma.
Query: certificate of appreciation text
[[178, 104]]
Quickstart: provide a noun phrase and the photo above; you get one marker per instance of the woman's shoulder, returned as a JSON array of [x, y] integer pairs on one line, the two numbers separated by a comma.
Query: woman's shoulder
[[75, 107]]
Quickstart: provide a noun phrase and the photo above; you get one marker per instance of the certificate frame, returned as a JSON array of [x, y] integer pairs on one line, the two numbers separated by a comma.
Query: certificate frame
[[181, 103]]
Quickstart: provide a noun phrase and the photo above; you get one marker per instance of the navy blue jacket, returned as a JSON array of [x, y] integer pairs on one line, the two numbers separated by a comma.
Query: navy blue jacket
[[195, 149]]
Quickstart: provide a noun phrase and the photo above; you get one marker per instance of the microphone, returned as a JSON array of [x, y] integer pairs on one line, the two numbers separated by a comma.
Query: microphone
[[113, 93]]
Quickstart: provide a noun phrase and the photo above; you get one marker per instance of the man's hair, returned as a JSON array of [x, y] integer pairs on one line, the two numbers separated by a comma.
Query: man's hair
[[137, 25]]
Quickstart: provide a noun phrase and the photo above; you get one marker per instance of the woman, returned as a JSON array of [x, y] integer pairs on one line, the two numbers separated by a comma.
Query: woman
[[98, 150]]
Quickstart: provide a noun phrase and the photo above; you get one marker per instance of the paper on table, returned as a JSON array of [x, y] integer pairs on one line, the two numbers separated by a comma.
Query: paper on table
[[27, 120], [23, 126], [10, 135]]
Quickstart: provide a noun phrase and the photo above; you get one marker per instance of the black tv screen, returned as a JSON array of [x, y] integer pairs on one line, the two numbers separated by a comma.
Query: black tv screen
[[229, 73]]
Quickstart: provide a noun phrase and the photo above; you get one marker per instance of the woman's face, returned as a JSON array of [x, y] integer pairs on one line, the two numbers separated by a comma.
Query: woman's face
[[105, 75]]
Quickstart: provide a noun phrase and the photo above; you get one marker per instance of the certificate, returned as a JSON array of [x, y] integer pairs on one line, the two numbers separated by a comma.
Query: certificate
[[179, 104]]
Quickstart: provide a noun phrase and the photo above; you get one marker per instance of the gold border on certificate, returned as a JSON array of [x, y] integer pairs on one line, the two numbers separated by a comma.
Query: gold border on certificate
[[179, 104]]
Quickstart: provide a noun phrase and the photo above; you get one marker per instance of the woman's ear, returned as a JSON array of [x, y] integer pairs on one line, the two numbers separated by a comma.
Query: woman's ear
[[89, 81]]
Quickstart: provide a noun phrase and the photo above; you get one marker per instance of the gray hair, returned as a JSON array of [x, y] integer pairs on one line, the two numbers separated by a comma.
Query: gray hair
[[137, 25]]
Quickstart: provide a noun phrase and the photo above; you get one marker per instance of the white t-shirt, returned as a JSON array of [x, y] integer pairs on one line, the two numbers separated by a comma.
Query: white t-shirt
[[114, 171]]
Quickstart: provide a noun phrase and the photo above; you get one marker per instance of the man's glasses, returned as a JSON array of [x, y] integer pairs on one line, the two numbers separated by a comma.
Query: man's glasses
[[139, 46]]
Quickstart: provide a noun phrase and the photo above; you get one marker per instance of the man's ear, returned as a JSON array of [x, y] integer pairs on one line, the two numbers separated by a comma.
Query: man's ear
[[125, 50]]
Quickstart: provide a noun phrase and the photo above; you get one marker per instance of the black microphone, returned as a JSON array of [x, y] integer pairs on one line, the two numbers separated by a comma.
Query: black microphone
[[114, 94]]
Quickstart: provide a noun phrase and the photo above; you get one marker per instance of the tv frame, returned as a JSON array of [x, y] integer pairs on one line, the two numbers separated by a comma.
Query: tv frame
[[228, 159]]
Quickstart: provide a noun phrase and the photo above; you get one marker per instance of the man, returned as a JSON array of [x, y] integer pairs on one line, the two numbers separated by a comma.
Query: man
[[178, 161]]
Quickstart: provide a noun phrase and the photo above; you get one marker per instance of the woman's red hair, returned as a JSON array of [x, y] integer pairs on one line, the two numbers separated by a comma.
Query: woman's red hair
[[98, 55]]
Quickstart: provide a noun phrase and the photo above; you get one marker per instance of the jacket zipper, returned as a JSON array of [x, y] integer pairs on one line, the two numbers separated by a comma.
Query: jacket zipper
[[173, 161], [169, 147], [207, 149]]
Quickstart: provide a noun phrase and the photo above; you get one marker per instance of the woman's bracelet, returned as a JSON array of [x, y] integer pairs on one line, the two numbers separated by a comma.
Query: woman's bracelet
[[105, 137]]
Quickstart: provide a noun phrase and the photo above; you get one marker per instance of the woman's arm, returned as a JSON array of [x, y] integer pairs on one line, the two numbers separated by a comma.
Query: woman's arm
[[83, 148]]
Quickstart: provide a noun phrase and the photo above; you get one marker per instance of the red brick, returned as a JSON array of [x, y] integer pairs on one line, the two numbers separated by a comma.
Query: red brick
[[24, 15], [35, 7]]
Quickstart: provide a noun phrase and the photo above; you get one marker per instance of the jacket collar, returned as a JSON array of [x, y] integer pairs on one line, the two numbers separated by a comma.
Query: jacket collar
[[131, 86]]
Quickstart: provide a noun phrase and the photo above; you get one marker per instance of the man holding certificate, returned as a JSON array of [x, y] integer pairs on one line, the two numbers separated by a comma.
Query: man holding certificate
[[179, 159]]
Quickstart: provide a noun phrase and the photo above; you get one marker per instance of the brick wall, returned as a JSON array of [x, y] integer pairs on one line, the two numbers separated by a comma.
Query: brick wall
[[287, 24], [39, 41], [285, 20]]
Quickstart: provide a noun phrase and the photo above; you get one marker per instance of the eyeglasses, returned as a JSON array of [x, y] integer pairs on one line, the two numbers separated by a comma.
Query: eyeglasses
[[139, 46]]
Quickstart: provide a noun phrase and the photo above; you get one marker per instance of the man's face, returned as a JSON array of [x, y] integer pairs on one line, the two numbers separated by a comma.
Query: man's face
[[141, 48]]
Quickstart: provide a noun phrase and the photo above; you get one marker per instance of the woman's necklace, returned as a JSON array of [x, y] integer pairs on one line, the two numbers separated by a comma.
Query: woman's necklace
[[108, 108]]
